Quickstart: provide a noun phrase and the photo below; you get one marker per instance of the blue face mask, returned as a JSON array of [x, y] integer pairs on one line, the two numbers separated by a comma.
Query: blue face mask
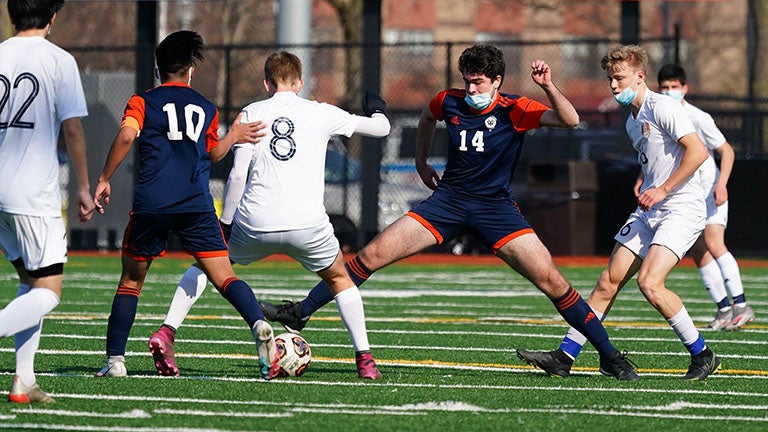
[[674, 94], [479, 101], [626, 96]]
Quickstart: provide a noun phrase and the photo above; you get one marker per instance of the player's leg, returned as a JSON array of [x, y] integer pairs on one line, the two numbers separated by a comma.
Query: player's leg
[[651, 279], [714, 234], [404, 237], [191, 287], [40, 271], [622, 266], [529, 257], [712, 278], [350, 307], [123, 313]]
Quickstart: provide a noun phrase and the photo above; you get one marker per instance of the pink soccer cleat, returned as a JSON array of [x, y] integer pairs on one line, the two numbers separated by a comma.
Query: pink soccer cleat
[[366, 366], [161, 347]]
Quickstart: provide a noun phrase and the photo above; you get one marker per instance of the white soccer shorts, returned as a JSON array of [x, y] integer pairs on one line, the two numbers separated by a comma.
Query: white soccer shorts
[[314, 248], [40, 241], [717, 214], [676, 231]]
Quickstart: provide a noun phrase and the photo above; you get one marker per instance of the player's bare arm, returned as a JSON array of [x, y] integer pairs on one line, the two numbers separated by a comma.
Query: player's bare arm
[[75, 140], [695, 154], [120, 148], [424, 135], [727, 157], [562, 114]]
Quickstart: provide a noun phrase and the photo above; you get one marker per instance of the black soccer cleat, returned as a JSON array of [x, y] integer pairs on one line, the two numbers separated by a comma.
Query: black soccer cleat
[[618, 366], [288, 314], [555, 363], [702, 365]]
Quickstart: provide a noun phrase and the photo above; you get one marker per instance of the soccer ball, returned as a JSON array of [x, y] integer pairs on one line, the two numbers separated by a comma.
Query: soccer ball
[[293, 355]]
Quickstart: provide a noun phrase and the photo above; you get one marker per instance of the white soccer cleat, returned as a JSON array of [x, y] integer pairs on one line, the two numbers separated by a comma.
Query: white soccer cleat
[[115, 368], [722, 319], [22, 393], [741, 316], [266, 348]]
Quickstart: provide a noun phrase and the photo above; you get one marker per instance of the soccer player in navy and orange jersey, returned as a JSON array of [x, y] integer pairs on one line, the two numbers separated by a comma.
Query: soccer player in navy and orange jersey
[[486, 130], [176, 130]]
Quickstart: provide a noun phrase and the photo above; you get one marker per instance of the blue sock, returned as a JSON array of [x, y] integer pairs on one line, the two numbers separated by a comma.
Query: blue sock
[[240, 295], [320, 295], [121, 319], [697, 347], [739, 299], [580, 316], [571, 347], [724, 303]]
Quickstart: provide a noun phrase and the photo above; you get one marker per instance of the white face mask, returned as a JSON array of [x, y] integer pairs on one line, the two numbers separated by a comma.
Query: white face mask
[[674, 94]]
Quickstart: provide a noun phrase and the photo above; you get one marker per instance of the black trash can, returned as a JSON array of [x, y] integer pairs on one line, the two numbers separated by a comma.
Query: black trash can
[[562, 210]]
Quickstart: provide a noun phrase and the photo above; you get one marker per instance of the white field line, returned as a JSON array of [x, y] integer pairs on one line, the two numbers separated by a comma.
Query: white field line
[[133, 414], [663, 411], [85, 428], [415, 347]]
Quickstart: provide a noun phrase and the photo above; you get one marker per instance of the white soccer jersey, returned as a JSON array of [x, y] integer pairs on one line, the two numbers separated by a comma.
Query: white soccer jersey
[[286, 180], [712, 137], [39, 88], [659, 124]]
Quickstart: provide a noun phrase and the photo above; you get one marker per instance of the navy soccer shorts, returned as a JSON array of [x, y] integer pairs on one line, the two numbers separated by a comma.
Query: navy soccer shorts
[[492, 220], [146, 236]]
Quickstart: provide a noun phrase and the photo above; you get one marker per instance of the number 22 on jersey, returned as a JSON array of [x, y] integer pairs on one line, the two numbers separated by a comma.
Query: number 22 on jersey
[[477, 141]]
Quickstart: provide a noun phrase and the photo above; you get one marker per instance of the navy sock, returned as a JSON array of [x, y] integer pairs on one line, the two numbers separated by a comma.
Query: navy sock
[[580, 316], [320, 295], [739, 299], [240, 295], [724, 303], [121, 319]]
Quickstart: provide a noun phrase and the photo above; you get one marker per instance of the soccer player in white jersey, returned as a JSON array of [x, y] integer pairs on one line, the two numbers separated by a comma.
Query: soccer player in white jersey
[[40, 93], [669, 218], [281, 182], [717, 266]]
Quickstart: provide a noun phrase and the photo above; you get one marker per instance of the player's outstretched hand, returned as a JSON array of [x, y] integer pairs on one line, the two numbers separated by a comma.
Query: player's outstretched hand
[[428, 175], [541, 73], [248, 132], [373, 103], [103, 190]]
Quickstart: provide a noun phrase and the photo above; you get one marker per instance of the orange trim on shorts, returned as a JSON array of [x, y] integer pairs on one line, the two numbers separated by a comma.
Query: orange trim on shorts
[[209, 254], [510, 237], [426, 225], [570, 298], [141, 257], [129, 291]]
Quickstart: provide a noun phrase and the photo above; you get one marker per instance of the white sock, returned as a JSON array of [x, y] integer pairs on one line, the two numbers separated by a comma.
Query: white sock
[[350, 306], [713, 281], [730, 269], [683, 326], [26, 310], [26, 343], [191, 287]]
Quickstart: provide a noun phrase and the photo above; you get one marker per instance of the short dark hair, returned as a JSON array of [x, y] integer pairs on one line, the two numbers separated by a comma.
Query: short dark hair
[[483, 58], [178, 52], [283, 67], [32, 14], [672, 72]]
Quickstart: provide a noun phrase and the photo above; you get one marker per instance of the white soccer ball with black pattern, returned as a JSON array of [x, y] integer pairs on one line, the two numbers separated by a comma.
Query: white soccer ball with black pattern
[[293, 355]]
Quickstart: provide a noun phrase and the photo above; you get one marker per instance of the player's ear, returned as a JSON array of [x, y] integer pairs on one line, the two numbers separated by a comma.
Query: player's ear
[[641, 75], [266, 86]]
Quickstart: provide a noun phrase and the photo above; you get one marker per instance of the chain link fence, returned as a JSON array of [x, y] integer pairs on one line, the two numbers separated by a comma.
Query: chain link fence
[[411, 74]]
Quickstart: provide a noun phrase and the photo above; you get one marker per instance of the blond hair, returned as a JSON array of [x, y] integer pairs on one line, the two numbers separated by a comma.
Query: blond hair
[[635, 56]]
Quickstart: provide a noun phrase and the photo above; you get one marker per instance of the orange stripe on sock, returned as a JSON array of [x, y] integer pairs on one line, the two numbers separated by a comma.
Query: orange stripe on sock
[[570, 298], [129, 291], [226, 284], [357, 269]]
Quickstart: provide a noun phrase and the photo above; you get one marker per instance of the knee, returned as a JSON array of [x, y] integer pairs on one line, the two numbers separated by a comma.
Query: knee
[[650, 288], [606, 288]]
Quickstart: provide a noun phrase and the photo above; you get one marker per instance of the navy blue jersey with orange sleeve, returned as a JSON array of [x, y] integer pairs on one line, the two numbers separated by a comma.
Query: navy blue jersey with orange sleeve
[[177, 129], [484, 146]]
